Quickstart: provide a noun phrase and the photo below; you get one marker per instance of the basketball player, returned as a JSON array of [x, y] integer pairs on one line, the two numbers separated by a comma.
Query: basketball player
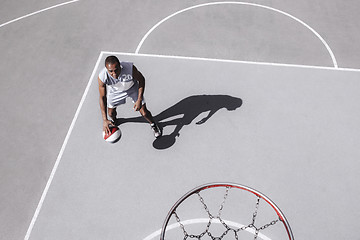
[[118, 81]]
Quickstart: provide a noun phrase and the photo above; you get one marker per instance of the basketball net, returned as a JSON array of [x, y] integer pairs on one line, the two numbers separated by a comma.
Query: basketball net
[[229, 229]]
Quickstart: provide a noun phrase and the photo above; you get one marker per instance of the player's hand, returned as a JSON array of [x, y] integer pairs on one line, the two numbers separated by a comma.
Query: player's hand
[[137, 105], [106, 124]]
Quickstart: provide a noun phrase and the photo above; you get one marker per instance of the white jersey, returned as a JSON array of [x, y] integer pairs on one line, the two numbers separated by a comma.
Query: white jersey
[[116, 87]]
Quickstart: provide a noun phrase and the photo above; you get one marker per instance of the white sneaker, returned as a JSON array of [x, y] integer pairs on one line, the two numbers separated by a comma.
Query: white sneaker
[[156, 130]]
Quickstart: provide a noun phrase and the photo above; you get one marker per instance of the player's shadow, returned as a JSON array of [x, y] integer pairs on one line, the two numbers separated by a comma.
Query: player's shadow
[[184, 112]]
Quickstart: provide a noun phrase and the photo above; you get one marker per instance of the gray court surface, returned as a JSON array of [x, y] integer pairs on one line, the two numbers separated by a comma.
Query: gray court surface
[[261, 93], [294, 142]]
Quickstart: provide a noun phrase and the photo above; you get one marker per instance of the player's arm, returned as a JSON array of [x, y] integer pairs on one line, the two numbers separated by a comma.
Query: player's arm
[[212, 112], [103, 101], [141, 79]]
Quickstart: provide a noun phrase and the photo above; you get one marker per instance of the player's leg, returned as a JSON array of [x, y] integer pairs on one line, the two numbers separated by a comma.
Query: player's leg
[[112, 104], [148, 116], [112, 114], [133, 93]]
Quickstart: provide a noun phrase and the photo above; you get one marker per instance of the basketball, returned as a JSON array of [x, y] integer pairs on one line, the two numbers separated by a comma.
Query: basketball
[[113, 136]]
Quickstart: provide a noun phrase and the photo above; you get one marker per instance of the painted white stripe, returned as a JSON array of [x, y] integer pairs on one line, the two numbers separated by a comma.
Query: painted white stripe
[[232, 61], [240, 3], [203, 220], [43, 196], [37, 211], [40, 11]]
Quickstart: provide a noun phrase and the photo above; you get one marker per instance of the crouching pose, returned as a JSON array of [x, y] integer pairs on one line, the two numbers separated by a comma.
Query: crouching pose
[[118, 81]]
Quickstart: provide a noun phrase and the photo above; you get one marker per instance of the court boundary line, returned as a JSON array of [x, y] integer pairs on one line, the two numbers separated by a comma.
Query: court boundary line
[[102, 53], [37, 12], [232, 61], [58, 159], [240, 3]]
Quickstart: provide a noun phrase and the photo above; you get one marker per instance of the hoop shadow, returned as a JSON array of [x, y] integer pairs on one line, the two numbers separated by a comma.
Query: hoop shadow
[[184, 112]]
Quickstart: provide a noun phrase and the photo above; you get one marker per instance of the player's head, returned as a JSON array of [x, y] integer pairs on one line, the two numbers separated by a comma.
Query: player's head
[[112, 64], [232, 103]]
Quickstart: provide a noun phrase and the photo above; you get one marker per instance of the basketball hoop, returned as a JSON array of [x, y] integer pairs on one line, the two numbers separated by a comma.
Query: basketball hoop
[[227, 229]]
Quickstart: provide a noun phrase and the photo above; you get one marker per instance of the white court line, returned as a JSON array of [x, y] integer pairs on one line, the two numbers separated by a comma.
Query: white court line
[[240, 3], [40, 11], [43, 196], [37, 211], [203, 220], [230, 61]]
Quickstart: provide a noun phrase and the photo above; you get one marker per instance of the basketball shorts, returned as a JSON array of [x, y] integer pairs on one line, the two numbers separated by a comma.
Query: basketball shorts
[[120, 98]]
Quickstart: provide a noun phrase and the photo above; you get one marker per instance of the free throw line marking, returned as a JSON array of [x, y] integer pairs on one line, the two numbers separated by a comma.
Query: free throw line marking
[[37, 12], [43, 196], [240, 3]]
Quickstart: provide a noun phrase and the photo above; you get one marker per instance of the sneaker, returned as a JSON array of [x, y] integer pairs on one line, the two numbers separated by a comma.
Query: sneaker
[[156, 130]]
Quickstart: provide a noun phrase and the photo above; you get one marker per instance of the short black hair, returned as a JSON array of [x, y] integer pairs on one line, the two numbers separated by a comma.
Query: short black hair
[[111, 60]]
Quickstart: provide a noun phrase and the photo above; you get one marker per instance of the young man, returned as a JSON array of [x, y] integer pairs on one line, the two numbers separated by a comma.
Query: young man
[[118, 81]]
